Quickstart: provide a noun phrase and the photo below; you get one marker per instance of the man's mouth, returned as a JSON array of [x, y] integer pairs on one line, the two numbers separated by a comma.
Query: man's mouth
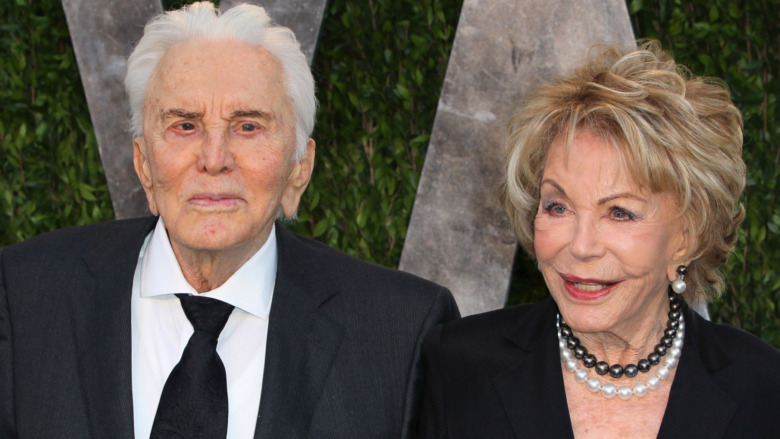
[[214, 200]]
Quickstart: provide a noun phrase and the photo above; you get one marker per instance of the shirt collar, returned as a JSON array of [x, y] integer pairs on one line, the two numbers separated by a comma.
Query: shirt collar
[[250, 288]]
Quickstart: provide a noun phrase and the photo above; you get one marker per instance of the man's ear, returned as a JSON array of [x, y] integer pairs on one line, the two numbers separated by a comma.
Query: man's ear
[[298, 181], [141, 164]]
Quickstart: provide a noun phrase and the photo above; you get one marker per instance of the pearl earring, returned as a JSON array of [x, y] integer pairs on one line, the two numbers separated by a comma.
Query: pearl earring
[[679, 285]]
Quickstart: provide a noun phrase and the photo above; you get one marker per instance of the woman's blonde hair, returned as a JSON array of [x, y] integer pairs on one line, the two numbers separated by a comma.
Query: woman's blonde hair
[[674, 132]]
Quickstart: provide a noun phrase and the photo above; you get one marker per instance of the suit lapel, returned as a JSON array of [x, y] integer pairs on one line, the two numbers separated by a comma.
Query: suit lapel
[[101, 326], [531, 390], [302, 342], [698, 406]]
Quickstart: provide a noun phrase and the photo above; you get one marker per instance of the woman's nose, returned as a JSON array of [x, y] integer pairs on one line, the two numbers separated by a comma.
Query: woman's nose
[[586, 242]]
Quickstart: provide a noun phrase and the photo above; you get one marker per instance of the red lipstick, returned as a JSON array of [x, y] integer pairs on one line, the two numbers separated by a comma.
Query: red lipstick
[[587, 289]]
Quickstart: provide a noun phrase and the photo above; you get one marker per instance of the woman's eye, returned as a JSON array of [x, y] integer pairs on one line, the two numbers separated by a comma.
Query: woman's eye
[[622, 214], [555, 209]]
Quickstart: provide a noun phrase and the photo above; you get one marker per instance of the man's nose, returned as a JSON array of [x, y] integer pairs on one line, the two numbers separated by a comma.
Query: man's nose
[[216, 155]]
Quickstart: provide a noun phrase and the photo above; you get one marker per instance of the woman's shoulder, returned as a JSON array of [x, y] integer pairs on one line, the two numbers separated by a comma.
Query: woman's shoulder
[[740, 345], [491, 337], [746, 368], [742, 363]]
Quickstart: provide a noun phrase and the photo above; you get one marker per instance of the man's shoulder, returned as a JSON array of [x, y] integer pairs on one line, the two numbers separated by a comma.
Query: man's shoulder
[[80, 239], [359, 294], [312, 255]]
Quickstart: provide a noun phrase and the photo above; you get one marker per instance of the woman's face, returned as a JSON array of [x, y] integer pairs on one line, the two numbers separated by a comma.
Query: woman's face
[[605, 246]]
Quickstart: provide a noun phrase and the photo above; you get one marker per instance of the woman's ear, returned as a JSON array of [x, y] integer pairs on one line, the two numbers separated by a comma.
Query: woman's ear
[[681, 254]]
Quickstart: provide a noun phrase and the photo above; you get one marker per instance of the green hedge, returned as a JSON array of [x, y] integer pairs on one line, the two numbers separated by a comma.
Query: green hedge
[[50, 170], [379, 67]]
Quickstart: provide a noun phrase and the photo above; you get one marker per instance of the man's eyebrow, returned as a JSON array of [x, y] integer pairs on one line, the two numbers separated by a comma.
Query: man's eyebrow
[[182, 113], [250, 113]]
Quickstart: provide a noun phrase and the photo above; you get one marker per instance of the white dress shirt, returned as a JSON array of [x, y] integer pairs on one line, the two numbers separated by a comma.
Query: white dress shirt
[[160, 330]]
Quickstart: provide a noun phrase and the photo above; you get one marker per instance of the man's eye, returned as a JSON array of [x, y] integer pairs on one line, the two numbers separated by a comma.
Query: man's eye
[[186, 126], [247, 127]]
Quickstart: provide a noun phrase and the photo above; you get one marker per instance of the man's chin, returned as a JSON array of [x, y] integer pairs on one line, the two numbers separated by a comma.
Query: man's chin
[[225, 237]]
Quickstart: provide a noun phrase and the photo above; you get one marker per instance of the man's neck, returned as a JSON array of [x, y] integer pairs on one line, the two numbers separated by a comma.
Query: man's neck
[[206, 270]]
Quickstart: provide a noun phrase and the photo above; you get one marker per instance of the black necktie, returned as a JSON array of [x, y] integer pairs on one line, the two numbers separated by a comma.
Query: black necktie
[[194, 400]]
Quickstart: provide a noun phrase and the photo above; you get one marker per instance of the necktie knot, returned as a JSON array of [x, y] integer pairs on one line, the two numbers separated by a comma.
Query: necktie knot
[[205, 314]]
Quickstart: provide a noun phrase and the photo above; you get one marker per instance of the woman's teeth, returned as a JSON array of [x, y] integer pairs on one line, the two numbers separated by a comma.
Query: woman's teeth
[[590, 287]]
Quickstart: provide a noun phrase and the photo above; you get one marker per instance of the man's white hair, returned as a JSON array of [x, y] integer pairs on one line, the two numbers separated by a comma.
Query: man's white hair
[[243, 22]]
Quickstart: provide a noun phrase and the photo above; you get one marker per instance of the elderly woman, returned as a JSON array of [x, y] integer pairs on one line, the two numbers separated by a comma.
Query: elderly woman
[[623, 182]]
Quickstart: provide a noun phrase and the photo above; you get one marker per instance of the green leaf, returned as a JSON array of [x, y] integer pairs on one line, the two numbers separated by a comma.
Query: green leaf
[[320, 228], [362, 217], [714, 13]]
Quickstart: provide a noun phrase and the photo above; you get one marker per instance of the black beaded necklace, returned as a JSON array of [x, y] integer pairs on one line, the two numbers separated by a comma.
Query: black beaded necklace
[[631, 370]]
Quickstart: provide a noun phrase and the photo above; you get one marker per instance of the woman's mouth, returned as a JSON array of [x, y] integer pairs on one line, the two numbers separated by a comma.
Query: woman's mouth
[[587, 289]]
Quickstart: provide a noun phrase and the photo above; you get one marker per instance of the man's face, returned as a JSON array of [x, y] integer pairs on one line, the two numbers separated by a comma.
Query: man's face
[[216, 157]]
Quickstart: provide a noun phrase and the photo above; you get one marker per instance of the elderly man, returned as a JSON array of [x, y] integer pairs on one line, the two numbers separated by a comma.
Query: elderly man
[[209, 320]]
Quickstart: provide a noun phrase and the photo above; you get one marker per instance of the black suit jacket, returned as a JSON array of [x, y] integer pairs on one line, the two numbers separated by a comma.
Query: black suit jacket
[[342, 355], [498, 375]]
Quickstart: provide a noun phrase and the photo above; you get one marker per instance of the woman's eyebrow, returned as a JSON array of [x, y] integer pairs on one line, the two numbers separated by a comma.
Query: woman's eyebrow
[[609, 198]]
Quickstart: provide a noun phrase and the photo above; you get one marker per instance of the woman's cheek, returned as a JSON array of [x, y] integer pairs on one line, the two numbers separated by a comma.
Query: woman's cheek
[[547, 238]]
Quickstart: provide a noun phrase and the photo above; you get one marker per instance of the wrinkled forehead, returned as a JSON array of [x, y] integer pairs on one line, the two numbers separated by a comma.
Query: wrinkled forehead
[[225, 67], [221, 77]]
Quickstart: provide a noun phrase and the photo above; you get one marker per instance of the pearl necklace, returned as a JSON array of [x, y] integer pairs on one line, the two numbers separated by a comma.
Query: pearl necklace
[[670, 348]]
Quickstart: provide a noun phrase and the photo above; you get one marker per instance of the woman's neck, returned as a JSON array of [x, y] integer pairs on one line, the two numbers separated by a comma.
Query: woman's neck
[[631, 340]]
